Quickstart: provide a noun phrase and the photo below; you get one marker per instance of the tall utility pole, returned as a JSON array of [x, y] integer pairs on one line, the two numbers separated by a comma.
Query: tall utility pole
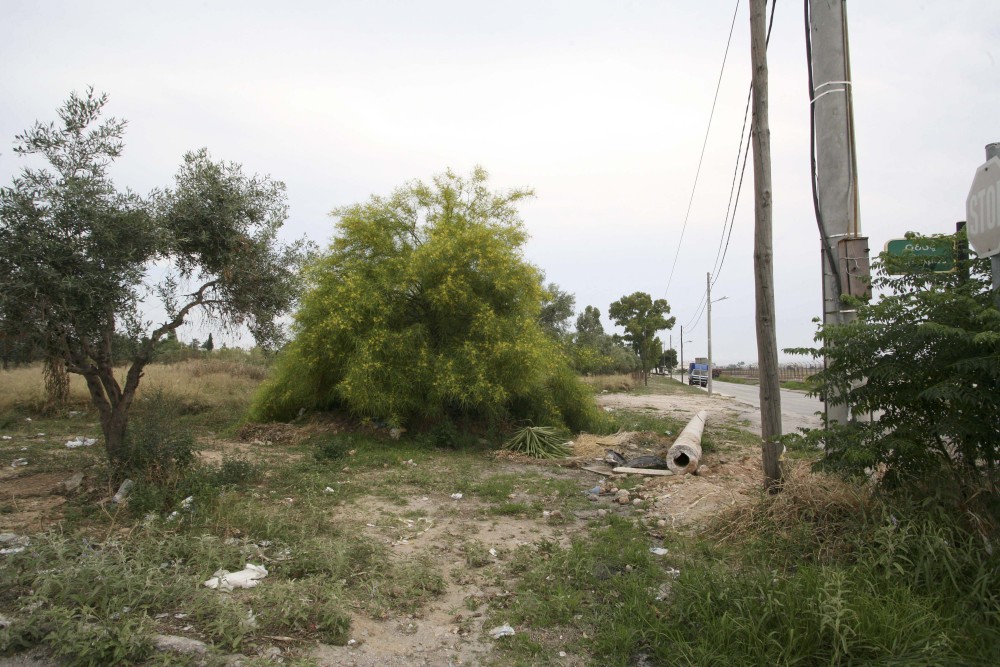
[[834, 163], [682, 354], [708, 300], [767, 343]]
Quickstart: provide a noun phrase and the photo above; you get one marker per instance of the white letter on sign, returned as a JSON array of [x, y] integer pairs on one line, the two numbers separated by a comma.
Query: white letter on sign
[[991, 206]]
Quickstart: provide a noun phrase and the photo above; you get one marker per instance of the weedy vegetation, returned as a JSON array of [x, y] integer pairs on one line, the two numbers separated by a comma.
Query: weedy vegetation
[[829, 571]]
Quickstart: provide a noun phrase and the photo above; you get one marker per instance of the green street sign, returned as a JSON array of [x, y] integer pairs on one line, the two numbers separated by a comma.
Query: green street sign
[[935, 254]]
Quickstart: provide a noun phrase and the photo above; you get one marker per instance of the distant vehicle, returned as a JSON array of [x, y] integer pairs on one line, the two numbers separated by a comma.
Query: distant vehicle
[[698, 374]]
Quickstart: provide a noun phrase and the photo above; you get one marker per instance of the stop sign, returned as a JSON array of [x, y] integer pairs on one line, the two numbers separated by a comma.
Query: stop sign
[[982, 209]]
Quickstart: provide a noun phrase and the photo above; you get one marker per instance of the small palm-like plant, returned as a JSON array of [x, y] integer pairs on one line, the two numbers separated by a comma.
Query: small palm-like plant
[[540, 442]]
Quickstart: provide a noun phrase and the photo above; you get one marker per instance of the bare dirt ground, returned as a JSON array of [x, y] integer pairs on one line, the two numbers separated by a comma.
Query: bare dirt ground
[[448, 633], [450, 630]]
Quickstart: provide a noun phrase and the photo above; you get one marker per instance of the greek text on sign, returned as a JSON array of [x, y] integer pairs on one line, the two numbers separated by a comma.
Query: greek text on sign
[[982, 209]]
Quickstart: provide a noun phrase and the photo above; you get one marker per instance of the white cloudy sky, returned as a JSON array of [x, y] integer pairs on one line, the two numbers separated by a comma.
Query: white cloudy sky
[[599, 105]]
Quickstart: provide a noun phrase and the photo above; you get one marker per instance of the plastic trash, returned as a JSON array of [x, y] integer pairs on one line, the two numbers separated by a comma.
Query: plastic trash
[[613, 457], [456, 496], [596, 491], [502, 631], [12, 544], [493, 552], [17, 463], [80, 441], [248, 577], [123, 491], [658, 551], [329, 490], [7, 437]]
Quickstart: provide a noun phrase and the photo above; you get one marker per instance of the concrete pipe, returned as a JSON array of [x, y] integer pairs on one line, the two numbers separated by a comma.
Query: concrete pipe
[[684, 455]]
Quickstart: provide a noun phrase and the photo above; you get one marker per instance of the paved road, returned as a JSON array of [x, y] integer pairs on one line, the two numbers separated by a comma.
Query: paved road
[[797, 409]]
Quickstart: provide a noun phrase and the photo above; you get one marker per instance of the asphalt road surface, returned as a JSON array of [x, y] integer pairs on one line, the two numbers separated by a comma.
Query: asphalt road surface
[[797, 409]]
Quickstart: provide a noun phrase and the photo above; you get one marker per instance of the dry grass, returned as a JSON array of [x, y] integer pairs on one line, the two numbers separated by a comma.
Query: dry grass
[[202, 382], [612, 383], [812, 508]]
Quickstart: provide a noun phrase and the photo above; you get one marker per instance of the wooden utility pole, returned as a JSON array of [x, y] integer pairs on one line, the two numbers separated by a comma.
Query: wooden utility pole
[[767, 343]]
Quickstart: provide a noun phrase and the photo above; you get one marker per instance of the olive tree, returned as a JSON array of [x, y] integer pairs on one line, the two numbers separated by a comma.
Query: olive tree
[[75, 252]]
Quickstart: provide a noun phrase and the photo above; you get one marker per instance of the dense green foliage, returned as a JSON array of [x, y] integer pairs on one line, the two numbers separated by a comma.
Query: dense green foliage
[[423, 309], [642, 318], [75, 250], [556, 311], [668, 359], [925, 360], [594, 352]]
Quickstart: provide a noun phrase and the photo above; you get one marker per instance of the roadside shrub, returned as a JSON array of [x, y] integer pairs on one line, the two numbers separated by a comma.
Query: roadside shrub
[[925, 360], [157, 448], [422, 309]]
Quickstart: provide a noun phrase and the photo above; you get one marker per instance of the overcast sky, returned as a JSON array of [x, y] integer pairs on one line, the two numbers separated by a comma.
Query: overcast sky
[[601, 106]]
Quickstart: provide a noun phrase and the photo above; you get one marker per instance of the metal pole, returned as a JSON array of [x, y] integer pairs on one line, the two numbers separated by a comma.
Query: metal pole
[[992, 151], [708, 298]]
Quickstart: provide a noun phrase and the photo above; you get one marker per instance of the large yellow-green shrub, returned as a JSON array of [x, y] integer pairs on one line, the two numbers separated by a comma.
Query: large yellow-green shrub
[[422, 308]]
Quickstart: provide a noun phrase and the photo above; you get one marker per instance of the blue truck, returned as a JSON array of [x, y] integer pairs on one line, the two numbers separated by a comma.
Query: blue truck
[[698, 374]]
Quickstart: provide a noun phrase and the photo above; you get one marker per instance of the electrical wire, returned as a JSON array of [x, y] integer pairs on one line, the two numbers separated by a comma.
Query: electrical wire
[[734, 200], [717, 267], [814, 174], [704, 145]]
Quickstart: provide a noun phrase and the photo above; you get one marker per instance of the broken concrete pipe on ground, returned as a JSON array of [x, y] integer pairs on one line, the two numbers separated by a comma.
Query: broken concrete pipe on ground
[[684, 455]]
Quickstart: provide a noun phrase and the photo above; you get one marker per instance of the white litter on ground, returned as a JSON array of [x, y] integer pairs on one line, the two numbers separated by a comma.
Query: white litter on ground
[[80, 441], [658, 551], [248, 577], [502, 631], [456, 496]]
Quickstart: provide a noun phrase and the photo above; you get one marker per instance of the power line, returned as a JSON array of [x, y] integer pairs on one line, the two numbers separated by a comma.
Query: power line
[[704, 145], [717, 267], [733, 204]]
